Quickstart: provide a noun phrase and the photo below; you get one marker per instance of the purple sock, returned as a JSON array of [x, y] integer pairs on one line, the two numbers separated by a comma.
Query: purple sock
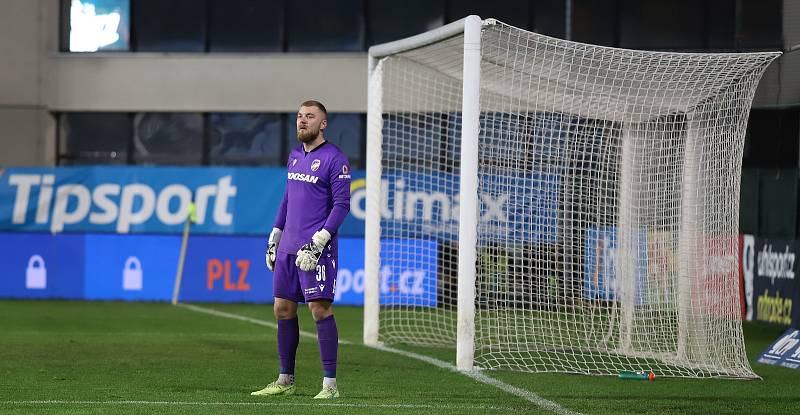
[[288, 338], [328, 337]]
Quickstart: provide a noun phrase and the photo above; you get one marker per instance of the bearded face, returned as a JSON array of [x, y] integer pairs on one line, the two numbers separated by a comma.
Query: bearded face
[[307, 134], [310, 123]]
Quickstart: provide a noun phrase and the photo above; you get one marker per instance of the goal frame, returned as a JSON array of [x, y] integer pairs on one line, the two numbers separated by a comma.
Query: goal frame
[[470, 27], [471, 30]]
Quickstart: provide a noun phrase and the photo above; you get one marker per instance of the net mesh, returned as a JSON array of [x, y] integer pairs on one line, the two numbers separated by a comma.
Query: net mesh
[[419, 193], [609, 197]]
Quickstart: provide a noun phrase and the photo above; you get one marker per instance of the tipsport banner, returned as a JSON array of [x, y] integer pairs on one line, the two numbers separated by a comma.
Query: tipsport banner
[[774, 292], [146, 199]]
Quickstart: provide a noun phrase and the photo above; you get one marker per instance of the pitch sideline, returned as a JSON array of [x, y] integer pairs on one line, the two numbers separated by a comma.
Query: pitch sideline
[[476, 375], [267, 404]]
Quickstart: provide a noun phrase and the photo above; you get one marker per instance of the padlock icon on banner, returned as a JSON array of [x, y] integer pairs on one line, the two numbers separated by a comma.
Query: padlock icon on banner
[[36, 274], [132, 274]]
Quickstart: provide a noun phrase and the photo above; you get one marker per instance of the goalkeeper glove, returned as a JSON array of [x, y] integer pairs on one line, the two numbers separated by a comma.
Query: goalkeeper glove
[[309, 254], [272, 248]]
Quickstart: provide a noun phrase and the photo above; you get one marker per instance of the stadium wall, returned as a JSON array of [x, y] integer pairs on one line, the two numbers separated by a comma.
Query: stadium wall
[[36, 80]]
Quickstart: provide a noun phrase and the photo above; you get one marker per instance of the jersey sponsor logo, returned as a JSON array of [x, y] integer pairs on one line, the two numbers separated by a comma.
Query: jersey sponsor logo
[[345, 169], [312, 290], [302, 177], [315, 165], [344, 176]]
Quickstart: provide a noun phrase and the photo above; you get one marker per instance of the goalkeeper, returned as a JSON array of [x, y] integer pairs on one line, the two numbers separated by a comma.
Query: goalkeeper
[[303, 247]]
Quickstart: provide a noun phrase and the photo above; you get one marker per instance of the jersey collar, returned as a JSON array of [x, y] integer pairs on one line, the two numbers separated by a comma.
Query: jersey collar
[[313, 149]]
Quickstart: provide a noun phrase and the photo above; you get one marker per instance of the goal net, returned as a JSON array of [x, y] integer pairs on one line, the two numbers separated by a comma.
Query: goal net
[[606, 207]]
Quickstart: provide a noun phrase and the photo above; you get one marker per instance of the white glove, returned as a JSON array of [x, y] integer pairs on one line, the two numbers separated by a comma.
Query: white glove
[[309, 254], [272, 248]]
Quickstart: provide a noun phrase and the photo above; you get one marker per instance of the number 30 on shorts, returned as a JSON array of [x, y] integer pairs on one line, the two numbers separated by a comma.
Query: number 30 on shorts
[[320, 272]]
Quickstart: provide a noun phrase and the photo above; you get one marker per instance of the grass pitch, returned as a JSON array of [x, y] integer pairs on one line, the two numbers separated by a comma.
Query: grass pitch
[[105, 358]]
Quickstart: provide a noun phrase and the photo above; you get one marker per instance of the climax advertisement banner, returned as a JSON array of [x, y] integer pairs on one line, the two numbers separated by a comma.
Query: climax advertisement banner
[[425, 206], [774, 286]]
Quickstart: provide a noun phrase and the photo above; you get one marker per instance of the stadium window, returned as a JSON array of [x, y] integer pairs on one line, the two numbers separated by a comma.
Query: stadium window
[[417, 139], [94, 137], [772, 139], [720, 24], [595, 22], [346, 130], [759, 24], [245, 139], [662, 25], [515, 13], [388, 20], [246, 26], [169, 26], [96, 25], [549, 18], [325, 26], [168, 138]]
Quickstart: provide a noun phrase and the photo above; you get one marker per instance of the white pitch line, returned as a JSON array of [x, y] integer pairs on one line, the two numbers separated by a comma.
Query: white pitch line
[[185, 403], [245, 319], [480, 377]]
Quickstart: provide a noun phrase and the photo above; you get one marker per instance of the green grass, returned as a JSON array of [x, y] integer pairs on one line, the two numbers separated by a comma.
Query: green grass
[[89, 357]]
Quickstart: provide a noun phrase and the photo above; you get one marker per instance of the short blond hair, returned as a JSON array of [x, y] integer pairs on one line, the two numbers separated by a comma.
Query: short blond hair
[[313, 103]]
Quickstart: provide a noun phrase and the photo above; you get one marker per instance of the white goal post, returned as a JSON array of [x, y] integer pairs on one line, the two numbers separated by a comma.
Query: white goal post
[[551, 206]]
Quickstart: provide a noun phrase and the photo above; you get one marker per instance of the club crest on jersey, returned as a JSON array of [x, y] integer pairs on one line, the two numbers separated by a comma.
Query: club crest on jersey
[[315, 165]]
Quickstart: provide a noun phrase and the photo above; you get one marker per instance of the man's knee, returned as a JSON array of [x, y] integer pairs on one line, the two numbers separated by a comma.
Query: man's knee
[[285, 309], [320, 309]]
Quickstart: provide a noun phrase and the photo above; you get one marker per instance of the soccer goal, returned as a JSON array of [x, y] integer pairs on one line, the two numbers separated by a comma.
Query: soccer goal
[[551, 206]]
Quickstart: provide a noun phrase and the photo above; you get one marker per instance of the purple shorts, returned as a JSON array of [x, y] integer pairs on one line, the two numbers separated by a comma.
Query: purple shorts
[[291, 283]]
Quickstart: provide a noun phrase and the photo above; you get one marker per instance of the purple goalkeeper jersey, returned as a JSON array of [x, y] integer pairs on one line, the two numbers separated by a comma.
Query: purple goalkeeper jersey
[[317, 197]]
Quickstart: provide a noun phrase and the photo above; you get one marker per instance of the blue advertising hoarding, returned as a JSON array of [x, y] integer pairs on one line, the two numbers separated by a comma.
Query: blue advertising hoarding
[[226, 269], [41, 266], [774, 286], [216, 269], [785, 351], [131, 267], [601, 262], [407, 275]]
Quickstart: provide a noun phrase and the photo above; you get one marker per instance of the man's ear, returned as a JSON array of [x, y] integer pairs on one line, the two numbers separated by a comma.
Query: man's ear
[[323, 124]]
